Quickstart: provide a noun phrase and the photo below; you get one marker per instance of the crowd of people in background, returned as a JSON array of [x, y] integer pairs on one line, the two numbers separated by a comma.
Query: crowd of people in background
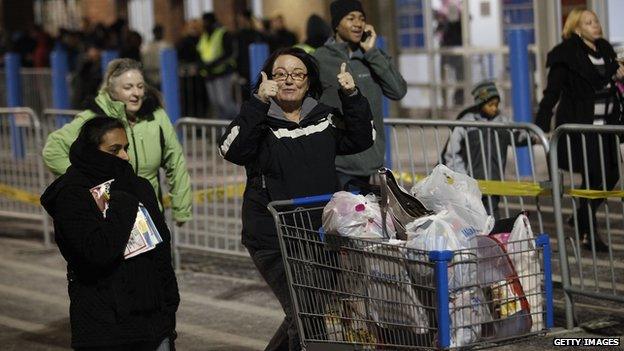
[[214, 61]]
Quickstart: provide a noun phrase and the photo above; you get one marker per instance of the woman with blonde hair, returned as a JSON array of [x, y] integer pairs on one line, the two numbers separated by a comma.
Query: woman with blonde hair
[[581, 78], [153, 142]]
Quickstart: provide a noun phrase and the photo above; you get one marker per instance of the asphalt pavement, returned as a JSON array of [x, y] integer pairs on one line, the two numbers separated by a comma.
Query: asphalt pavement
[[225, 305]]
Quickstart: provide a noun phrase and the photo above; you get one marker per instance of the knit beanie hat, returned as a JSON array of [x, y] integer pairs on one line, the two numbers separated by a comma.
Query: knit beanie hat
[[484, 91], [341, 8]]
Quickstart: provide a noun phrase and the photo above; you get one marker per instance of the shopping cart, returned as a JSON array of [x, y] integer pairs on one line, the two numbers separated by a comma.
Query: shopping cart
[[354, 294]]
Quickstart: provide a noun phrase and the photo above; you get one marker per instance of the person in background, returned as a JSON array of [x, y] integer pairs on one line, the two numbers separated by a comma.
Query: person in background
[[245, 36], [87, 78], [187, 45], [374, 72], [131, 45], [279, 35], [216, 51], [288, 142], [581, 83], [153, 141], [151, 55], [465, 143], [317, 33], [116, 303]]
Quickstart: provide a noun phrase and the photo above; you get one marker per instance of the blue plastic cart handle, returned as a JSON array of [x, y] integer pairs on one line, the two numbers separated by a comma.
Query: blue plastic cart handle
[[311, 199]]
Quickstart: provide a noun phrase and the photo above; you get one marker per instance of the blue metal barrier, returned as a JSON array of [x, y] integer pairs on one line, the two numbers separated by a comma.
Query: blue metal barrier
[[170, 85], [60, 89], [14, 99], [258, 53], [520, 89], [108, 56]]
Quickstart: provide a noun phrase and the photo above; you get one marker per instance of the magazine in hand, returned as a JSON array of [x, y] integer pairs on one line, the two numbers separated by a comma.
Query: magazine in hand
[[144, 235]]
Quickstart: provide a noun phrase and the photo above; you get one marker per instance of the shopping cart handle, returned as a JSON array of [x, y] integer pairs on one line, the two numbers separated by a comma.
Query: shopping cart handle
[[311, 199]]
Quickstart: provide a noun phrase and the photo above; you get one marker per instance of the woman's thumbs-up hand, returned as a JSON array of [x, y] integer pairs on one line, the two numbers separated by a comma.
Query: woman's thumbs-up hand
[[267, 88], [345, 79]]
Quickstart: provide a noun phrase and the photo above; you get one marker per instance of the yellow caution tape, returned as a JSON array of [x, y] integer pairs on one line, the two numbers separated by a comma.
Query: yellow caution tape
[[487, 187], [19, 195], [213, 194], [495, 187], [199, 196], [594, 194]]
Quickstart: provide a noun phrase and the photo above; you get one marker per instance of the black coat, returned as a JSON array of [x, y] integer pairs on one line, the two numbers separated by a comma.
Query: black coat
[[286, 160], [112, 301], [573, 81]]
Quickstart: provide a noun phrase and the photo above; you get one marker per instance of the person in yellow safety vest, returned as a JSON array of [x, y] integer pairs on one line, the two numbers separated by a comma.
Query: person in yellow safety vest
[[218, 65]]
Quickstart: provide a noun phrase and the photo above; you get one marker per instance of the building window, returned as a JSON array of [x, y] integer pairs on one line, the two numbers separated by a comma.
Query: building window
[[411, 24]]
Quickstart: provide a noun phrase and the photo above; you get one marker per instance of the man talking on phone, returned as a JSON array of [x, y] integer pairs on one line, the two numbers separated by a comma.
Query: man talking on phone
[[354, 42]]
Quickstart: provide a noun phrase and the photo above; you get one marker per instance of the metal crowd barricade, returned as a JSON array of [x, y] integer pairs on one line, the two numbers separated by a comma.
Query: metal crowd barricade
[[217, 187], [357, 294], [36, 88], [579, 152], [418, 145], [21, 167]]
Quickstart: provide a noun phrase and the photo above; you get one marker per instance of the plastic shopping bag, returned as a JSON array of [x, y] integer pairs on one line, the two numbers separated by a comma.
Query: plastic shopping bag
[[518, 241], [355, 216], [457, 192], [446, 231], [510, 308], [469, 311]]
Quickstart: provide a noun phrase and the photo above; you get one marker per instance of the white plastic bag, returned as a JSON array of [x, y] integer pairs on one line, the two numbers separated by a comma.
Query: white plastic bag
[[446, 231], [520, 246], [468, 311], [457, 192], [355, 216]]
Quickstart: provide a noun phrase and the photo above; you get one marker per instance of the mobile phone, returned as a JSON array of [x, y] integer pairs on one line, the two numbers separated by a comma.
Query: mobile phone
[[365, 35]]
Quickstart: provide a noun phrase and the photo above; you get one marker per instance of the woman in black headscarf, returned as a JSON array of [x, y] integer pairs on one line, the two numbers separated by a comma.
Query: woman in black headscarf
[[116, 303]]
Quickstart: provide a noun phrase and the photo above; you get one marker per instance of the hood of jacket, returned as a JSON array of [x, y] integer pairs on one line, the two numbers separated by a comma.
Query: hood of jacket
[[89, 167], [275, 111], [104, 104]]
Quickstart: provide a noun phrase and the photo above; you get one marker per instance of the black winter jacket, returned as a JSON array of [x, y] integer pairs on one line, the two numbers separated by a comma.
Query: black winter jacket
[[112, 301], [286, 160], [573, 82]]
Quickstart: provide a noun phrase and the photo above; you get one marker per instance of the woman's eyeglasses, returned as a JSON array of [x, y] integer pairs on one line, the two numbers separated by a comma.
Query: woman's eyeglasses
[[282, 76]]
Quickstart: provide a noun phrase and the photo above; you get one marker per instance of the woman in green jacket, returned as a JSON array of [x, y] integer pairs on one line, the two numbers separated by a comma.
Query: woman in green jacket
[[153, 141]]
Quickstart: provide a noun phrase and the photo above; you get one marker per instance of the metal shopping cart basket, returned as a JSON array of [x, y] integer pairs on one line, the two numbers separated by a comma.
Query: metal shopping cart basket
[[354, 294]]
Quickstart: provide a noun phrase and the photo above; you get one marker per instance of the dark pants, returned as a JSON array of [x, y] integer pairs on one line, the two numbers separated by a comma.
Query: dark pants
[[271, 267], [594, 171]]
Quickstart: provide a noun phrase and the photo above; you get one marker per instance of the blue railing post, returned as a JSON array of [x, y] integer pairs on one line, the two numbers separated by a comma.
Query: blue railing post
[[258, 53], [544, 241], [108, 56], [170, 85], [385, 110], [60, 89], [442, 260], [12, 68], [521, 89]]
